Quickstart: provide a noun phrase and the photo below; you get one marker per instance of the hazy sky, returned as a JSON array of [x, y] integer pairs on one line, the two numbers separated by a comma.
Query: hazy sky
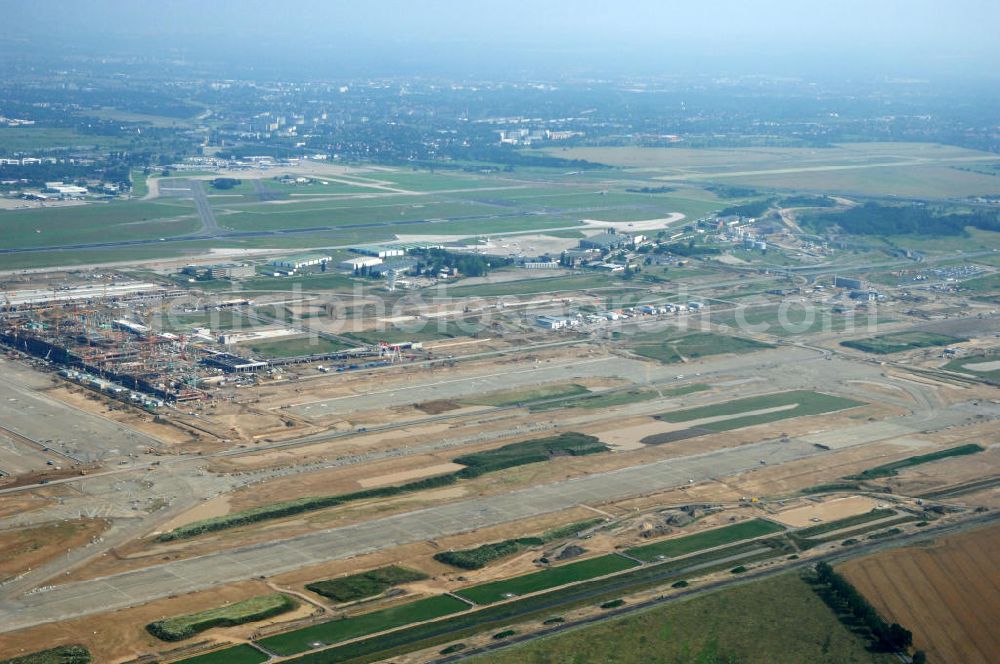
[[896, 37]]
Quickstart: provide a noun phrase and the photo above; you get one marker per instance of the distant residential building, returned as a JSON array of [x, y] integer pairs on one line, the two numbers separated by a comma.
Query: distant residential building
[[541, 265]]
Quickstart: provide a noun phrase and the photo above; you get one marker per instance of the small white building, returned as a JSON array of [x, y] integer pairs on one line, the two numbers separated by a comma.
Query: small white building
[[556, 322]]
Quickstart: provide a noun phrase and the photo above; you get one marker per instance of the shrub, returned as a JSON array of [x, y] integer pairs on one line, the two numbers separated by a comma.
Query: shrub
[[73, 654]]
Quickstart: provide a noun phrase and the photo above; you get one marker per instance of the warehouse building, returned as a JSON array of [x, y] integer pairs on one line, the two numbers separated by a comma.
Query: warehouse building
[[555, 322], [605, 241], [400, 265], [844, 282], [358, 262], [299, 262], [231, 271]]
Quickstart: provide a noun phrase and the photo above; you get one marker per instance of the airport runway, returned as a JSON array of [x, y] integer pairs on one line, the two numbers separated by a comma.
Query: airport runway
[[267, 559]]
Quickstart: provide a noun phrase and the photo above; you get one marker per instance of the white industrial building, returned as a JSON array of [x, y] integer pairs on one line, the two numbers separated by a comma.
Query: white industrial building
[[298, 262], [555, 322], [358, 262]]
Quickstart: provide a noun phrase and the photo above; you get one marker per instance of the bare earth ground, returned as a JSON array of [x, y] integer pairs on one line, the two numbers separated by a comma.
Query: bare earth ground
[[119, 635], [26, 548], [829, 510], [947, 594]]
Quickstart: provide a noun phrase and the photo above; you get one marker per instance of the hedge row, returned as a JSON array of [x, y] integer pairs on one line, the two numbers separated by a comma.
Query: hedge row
[[847, 601], [73, 654], [366, 584], [480, 556], [257, 608], [508, 456]]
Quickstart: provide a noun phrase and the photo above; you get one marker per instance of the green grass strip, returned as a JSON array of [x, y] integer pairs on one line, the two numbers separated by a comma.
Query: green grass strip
[[708, 539], [335, 631], [890, 469], [545, 579]]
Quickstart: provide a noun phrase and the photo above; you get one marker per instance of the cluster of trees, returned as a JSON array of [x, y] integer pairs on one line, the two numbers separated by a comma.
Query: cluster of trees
[[752, 209], [845, 599], [876, 219], [470, 265], [690, 248], [225, 183], [365, 584], [729, 191], [650, 190], [807, 201]]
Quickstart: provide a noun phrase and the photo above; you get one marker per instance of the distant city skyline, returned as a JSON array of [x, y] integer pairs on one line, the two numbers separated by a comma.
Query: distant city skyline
[[443, 36]]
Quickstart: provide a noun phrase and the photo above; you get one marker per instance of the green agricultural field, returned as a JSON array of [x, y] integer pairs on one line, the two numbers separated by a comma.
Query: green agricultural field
[[241, 654], [691, 346], [779, 619], [551, 577], [336, 631], [892, 469], [804, 403], [179, 628], [898, 342], [680, 546], [540, 606], [527, 395], [311, 345], [366, 584]]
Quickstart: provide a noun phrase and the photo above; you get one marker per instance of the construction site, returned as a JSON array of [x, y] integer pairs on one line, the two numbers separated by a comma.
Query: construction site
[[111, 343], [177, 450]]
